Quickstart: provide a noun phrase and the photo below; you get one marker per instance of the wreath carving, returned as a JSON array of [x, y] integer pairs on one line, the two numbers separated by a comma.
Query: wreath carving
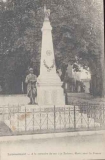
[[49, 68], [48, 53]]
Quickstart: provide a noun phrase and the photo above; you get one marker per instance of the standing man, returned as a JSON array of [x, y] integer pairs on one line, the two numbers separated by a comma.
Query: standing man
[[31, 86]]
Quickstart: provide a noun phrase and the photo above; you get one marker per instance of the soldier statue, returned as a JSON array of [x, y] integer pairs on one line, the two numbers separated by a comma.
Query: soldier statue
[[31, 86]]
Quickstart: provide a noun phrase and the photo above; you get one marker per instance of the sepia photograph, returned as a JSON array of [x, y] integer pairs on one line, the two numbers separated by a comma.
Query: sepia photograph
[[52, 80]]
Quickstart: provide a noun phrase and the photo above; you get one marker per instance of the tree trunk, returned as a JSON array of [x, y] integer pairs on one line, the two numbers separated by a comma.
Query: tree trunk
[[103, 56], [103, 75]]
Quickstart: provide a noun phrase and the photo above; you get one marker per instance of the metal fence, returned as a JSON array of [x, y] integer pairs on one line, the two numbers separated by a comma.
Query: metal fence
[[74, 117]]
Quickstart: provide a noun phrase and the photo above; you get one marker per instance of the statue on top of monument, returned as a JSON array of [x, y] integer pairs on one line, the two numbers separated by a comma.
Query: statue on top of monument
[[47, 13]]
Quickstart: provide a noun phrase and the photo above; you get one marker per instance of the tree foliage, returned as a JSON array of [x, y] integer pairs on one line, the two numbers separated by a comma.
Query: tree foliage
[[77, 34]]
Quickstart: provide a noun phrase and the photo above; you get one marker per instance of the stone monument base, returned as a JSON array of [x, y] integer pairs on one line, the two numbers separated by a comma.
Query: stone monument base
[[50, 91], [50, 95]]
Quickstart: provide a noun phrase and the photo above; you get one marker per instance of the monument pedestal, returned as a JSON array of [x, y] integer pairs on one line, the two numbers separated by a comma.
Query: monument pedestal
[[50, 92]]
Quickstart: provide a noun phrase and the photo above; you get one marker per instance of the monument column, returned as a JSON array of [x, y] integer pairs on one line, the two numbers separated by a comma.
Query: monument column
[[49, 85]]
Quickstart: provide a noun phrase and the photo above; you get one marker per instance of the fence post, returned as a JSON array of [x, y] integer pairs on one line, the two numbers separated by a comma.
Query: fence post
[[47, 120], [10, 118], [54, 119], [94, 111], [87, 111], [64, 119], [33, 119], [18, 119], [60, 118], [25, 119], [69, 117], [103, 114], [74, 118], [40, 119], [3, 114]]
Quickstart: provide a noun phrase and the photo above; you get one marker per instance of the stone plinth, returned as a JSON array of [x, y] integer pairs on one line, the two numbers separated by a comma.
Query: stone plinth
[[50, 94]]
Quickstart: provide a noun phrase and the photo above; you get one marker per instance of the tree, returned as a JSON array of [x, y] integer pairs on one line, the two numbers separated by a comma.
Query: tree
[[77, 34]]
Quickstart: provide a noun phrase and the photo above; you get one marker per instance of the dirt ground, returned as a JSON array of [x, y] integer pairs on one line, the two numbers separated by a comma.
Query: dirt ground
[[60, 148], [24, 100]]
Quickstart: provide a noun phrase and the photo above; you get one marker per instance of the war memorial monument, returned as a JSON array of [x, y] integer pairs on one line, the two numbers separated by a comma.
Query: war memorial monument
[[49, 88], [50, 113], [50, 93]]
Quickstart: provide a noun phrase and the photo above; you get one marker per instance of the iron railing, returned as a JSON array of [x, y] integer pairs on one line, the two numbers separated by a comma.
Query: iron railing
[[74, 117]]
